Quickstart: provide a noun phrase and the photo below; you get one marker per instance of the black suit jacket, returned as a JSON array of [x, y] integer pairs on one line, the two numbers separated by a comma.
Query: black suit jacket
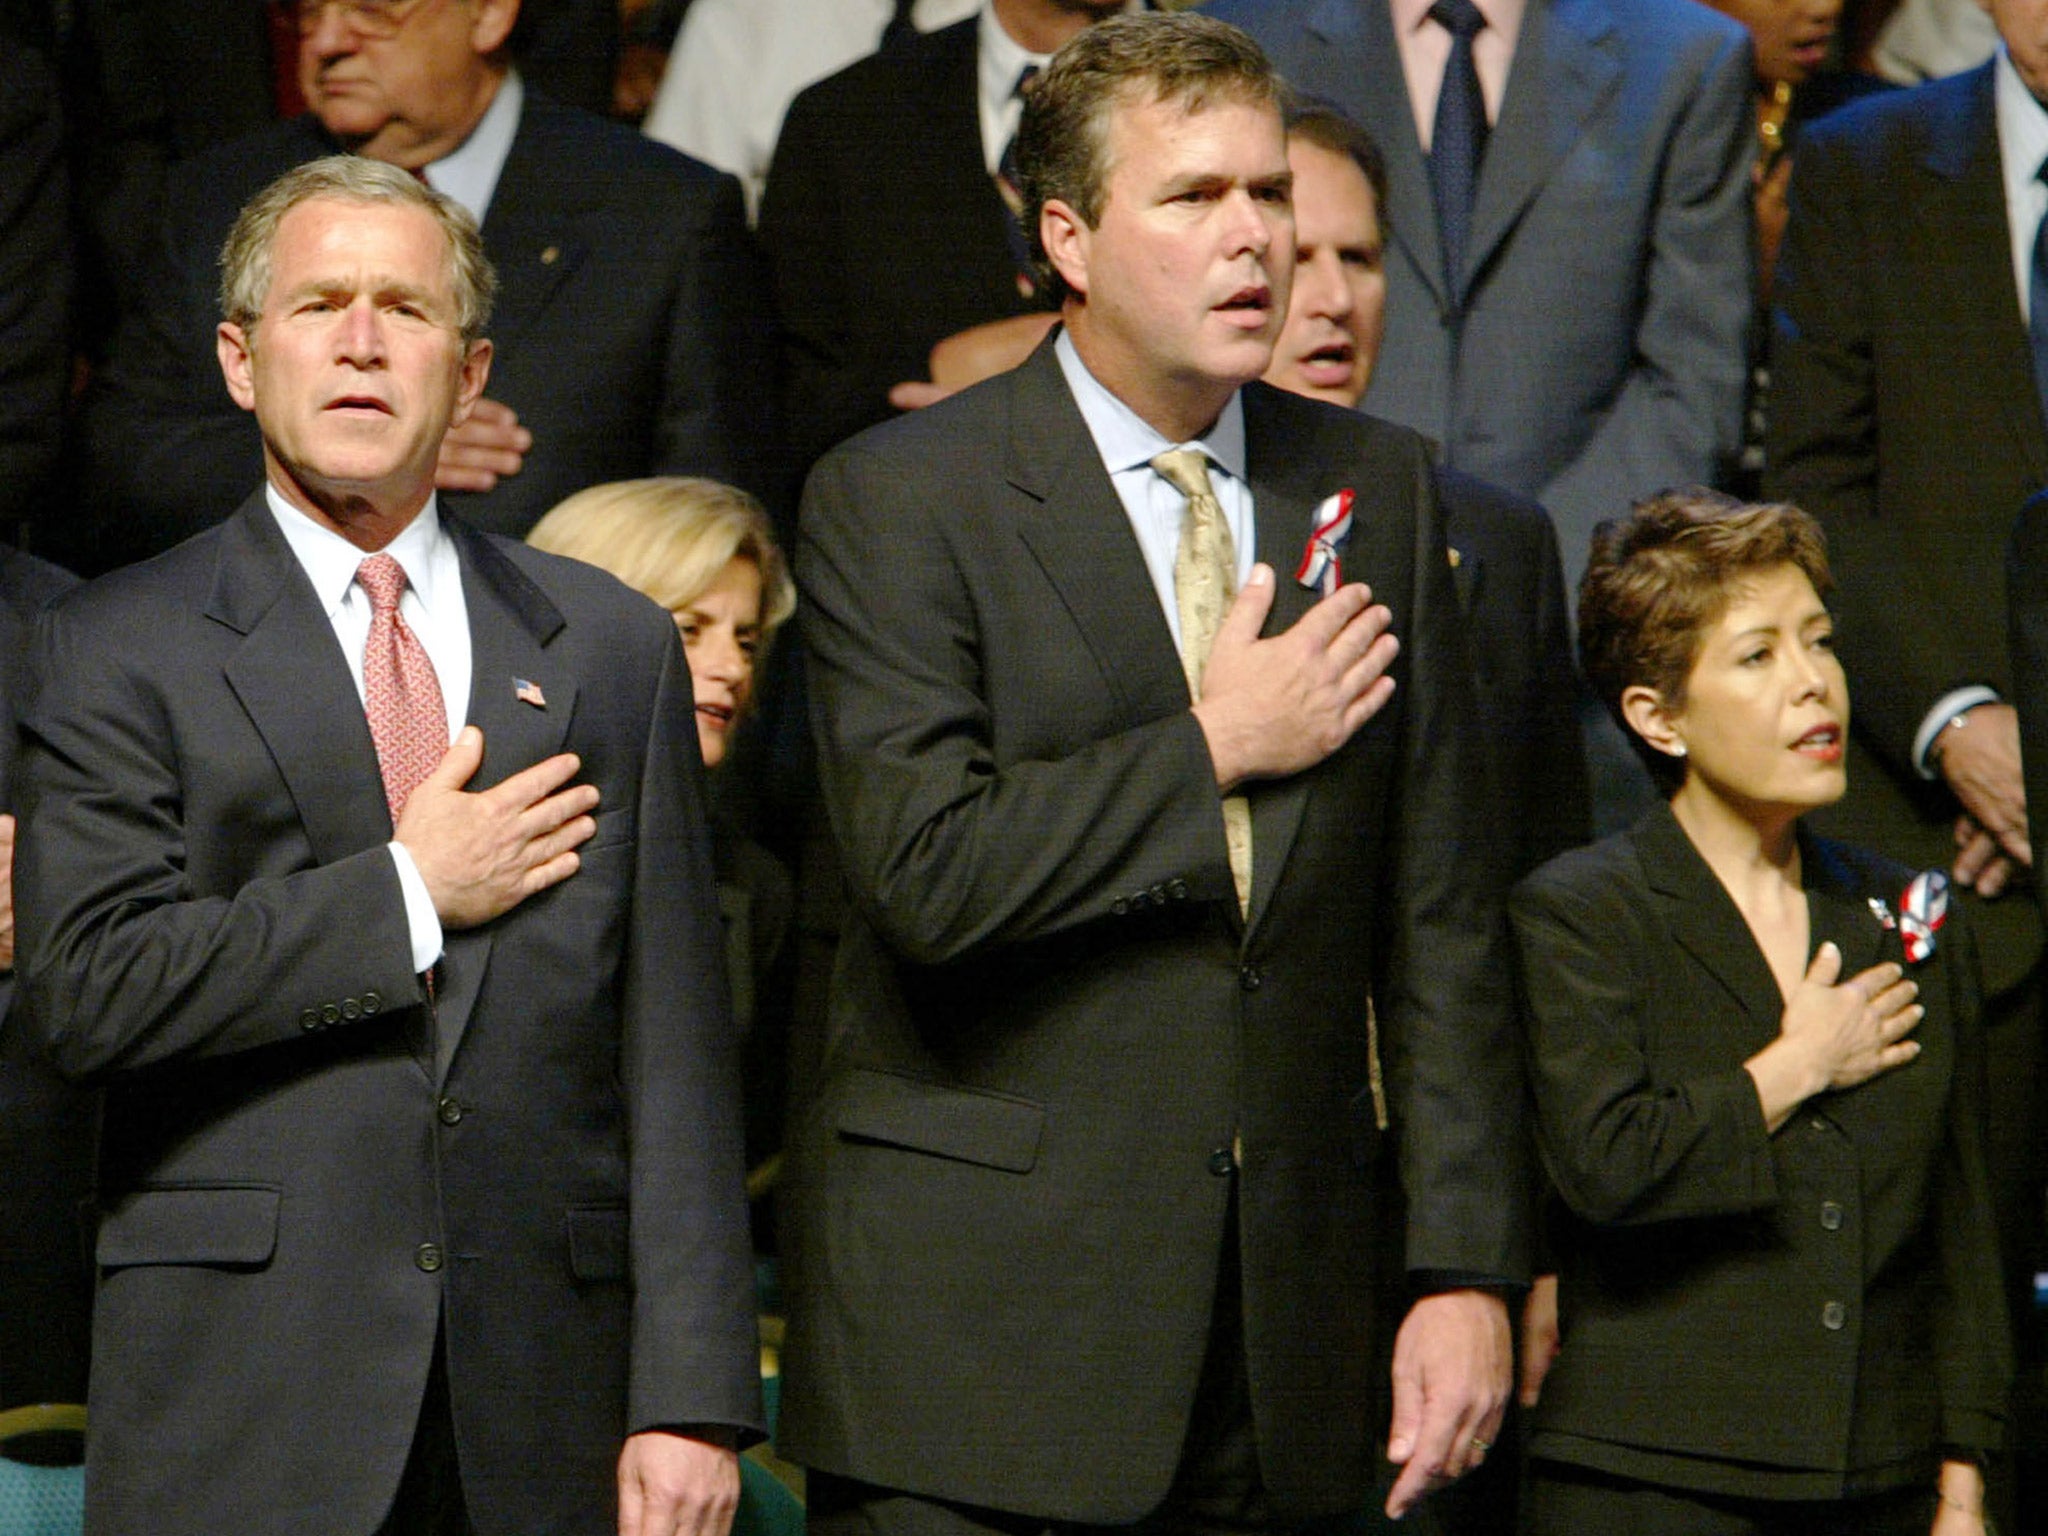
[[1904, 416], [1510, 585], [35, 281], [1746, 1312], [883, 230], [307, 1167], [630, 333], [1050, 1025], [46, 1126]]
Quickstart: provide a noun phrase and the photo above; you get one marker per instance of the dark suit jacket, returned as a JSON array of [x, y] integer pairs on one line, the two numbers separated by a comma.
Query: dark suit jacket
[[1744, 1312], [1511, 592], [46, 1126], [307, 1169], [883, 230], [1049, 1022], [630, 331], [35, 281], [1587, 370], [1904, 416]]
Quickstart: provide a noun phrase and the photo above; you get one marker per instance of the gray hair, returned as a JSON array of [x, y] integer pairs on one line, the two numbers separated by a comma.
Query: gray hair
[[245, 257]]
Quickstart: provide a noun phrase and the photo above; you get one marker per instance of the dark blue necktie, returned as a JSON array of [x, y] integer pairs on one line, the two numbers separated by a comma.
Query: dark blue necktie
[[1458, 142], [2037, 305], [1011, 189]]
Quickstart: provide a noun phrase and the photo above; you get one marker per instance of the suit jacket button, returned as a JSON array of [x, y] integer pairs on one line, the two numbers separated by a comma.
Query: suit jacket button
[[1830, 1216], [310, 1020], [1833, 1315], [427, 1256], [1250, 978], [372, 1001], [1221, 1163], [330, 1013], [449, 1112]]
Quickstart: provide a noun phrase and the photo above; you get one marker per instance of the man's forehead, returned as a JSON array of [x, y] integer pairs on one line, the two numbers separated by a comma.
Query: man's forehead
[[326, 241]]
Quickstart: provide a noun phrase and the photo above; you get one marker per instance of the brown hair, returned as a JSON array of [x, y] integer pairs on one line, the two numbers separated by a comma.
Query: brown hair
[[1062, 140], [1319, 123], [245, 257], [1661, 577]]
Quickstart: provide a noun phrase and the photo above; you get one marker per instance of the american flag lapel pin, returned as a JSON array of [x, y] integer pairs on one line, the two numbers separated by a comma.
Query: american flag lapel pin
[[527, 692], [1329, 526]]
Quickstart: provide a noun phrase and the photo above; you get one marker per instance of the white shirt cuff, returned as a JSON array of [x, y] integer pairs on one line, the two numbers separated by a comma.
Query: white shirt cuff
[[1956, 701], [421, 920]]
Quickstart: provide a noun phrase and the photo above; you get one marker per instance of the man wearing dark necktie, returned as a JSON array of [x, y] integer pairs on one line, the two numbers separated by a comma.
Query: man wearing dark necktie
[[419, 1170], [1174, 922]]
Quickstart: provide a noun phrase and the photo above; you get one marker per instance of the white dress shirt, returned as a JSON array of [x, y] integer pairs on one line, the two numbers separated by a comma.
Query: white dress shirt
[[1128, 444], [1426, 48], [433, 608], [470, 174]]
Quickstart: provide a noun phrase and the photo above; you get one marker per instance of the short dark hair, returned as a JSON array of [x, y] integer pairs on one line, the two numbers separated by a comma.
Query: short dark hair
[[1062, 141], [1659, 578], [1319, 123]]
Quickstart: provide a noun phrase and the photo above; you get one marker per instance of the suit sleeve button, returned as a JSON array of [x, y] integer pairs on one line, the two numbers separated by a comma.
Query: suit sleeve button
[[309, 1020], [1831, 1216], [330, 1013], [428, 1257], [351, 1009], [1177, 889], [1119, 907], [448, 1112], [1221, 1162], [372, 1001], [1833, 1316]]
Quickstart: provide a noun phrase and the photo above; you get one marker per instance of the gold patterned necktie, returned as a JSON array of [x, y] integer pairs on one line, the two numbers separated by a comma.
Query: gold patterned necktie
[[1204, 585]]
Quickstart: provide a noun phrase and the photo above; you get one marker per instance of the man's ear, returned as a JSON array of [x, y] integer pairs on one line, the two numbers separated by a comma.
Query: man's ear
[[469, 388], [237, 356], [1652, 719], [1066, 238], [492, 26]]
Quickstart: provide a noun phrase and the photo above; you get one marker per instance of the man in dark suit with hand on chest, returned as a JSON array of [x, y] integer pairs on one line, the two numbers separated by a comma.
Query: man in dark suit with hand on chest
[[419, 1167], [1157, 860]]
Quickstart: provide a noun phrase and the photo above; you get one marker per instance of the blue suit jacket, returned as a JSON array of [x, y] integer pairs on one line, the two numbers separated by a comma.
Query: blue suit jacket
[[1602, 350]]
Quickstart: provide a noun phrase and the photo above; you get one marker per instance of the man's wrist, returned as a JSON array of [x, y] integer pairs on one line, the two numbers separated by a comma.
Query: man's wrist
[[1948, 711]]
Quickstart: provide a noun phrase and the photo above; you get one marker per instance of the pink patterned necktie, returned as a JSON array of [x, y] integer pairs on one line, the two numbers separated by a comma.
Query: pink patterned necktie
[[401, 695]]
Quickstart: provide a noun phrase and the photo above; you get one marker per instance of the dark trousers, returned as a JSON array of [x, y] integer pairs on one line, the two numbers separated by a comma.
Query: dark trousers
[[429, 1499], [1217, 1489], [1571, 1501]]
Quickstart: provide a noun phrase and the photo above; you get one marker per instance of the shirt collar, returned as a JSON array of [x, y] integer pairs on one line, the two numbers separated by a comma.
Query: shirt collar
[[330, 561], [470, 174], [1503, 17], [1126, 440], [1002, 58], [2022, 124]]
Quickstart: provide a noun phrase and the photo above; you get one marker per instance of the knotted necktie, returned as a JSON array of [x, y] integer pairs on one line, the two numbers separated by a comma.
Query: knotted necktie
[[900, 25], [1458, 142], [2037, 304], [401, 695], [1204, 583], [1012, 193]]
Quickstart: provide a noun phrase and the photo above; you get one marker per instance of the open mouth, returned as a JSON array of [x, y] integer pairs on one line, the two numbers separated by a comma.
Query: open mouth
[[363, 403], [1251, 304], [1330, 364], [720, 715], [1823, 742]]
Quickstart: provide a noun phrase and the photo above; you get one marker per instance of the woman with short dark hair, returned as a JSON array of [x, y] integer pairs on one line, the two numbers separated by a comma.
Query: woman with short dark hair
[[1757, 1073]]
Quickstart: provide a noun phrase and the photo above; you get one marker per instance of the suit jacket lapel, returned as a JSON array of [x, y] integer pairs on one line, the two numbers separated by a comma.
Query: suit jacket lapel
[[1080, 535], [531, 231], [1704, 919], [294, 682], [1964, 218], [1839, 913], [1359, 38], [1285, 494], [510, 622], [1563, 72]]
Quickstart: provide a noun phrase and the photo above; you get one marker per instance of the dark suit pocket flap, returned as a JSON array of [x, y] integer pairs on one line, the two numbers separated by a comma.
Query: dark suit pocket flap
[[597, 1242], [204, 1224], [964, 1123]]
